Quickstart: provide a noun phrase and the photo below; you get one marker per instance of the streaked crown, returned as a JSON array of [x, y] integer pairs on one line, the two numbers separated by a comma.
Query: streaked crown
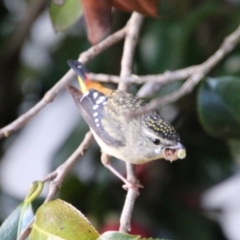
[[157, 125]]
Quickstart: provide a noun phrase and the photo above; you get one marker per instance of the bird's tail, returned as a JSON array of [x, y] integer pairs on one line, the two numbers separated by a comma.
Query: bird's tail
[[83, 79]]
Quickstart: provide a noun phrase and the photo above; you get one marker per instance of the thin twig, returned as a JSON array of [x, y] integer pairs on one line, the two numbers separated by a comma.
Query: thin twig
[[163, 79], [134, 26], [229, 43], [52, 93], [58, 175], [25, 232], [130, 43]]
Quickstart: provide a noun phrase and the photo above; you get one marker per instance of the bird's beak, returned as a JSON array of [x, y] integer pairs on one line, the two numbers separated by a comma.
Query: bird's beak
[[175, 152], [180, 149]]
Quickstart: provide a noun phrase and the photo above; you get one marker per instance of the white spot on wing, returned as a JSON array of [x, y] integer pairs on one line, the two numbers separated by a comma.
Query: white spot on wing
[[95, 94], [96, 120], [95, 114], [95, 107], [100, 100]]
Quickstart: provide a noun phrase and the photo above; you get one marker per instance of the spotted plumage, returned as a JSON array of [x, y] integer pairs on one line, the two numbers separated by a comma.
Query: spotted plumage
[[135, 140], [91, 105], [155, 123]]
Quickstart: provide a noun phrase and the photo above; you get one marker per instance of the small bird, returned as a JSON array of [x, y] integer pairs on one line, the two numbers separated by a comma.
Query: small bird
[[134, 140]]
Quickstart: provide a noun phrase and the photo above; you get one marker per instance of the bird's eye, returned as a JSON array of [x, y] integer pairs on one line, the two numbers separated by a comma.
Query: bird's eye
[[156, 141]]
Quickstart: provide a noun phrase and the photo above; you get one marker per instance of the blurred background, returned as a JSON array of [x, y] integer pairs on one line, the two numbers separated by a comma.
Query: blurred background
[[195, 198]]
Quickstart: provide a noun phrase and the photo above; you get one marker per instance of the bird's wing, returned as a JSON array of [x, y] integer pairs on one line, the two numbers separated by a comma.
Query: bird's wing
[[91, 105]]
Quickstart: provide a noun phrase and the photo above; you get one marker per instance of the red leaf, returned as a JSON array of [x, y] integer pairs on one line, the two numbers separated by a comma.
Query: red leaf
[[98, 14], [98, 18], [146, 7]]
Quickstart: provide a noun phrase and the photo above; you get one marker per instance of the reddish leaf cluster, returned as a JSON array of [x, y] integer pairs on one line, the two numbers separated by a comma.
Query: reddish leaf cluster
[[98, 14]]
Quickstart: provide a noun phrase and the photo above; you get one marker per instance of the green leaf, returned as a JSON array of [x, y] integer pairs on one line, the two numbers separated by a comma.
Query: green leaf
[[113, 235], [34, 191], [60, 220], [9, 228], [64, 13], [16, 221], [21, 216], [218, 106]]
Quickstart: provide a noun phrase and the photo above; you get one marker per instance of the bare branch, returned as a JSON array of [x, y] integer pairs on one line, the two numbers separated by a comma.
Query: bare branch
[[100, 47], [163, 79], [52, 93], [60, 173], [200, 72], [25, 232], [134, 26]]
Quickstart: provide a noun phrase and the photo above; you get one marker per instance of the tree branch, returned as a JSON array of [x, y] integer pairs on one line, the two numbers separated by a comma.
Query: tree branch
[[52, 93], [163, 79], [229, 43], [60, 173], [134, 26]]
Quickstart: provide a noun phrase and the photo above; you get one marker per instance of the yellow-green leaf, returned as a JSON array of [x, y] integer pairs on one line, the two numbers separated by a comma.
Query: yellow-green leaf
[[57, 220], [64, 13]]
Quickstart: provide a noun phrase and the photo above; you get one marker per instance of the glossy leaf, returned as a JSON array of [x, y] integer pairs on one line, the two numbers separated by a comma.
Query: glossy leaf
[[27, 214], [64, 13], [113, 235], [218, 106], [60, 220], [21, 216], [9, 228]]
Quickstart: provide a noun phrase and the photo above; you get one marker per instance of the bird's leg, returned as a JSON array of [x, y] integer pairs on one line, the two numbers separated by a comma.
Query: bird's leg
[[105, 159]]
